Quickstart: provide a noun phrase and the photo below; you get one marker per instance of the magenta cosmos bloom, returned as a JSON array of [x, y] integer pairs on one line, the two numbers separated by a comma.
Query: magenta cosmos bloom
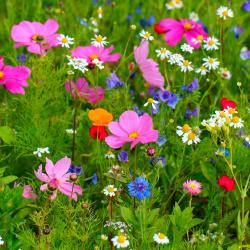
[[57, 178], [192, 187], [174, 31], [36, 36], [91, 52], [14, 79], [131, 128], [81, 90]]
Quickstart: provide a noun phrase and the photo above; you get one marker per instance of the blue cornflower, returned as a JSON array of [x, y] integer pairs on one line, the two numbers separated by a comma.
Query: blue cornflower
[[147, 22], [245, 54], [123, 156], [129, 17], [171, 98], [246, 6], [223, 151], [113, 81], [138, 10], [92, 179], [190, 113], [139, 188], [237, 30], [22, 58], [192, 86], [75, 170], [246, 144], [161, 140]]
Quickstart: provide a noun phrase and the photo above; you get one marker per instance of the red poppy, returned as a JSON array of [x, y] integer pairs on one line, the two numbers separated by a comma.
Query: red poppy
[[226, 183], [98, 132], [159, 29], [225, 103]]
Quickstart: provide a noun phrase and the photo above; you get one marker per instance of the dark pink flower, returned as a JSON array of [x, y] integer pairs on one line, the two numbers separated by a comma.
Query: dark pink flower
[[15, 78], [36, 36], [28, 193]]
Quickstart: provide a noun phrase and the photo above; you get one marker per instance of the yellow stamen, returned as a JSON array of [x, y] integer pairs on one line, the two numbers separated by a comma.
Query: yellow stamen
[[151, 100], [133, 135], [191, 136], [110, 189], [64, 40], [1, 74], [161, 236], [99, 38], [121, 238], [93, 56], [236, 119], [185, 128], [187, 26]]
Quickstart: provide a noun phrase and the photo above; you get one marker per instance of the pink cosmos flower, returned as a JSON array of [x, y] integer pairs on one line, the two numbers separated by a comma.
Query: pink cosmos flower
[[174, 31], [92, 52], [14, 79], [192, 187], [28, 193], [149, 68], [131, 128], [81, 90], [36, 36], [57, 178]]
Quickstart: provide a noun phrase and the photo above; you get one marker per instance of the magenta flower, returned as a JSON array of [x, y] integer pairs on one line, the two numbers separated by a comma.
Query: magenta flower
[[192, 187], [92, 52], [14, 79], [28, 193], [174, 31], [131, 128], [57, 178], [81, 90], [36, 36]]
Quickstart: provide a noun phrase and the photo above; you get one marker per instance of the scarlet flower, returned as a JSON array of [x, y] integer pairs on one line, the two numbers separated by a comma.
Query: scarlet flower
[[159, 28], [226, 183], [225, 103], [98, 132]]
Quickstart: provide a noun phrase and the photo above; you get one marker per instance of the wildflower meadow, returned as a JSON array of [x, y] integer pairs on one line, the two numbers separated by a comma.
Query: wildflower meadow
[[124, 125]]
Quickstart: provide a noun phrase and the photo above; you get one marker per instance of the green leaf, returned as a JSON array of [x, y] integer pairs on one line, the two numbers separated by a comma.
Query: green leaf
[[8, 179], [7, 134], [2, 171], [127, 214], [209, 172]]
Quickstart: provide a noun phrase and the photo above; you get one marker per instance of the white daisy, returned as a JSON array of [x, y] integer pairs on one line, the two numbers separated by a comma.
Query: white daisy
[[1, 241], [183, 130], [187, 48], [186, 66], [109, 155], [224, 12], [65, 41], [98, 63], [41, 151], [178, 4], [110, 190], [175, 59], [211, 63], [163, 53], [236, 122], [211, 43], [146, 35], [202, 70], [99, 41], [191, 138], [170, 5], [120, 241], [152, 102], [194, 16], [198, 39], [161, 238], [78, 63]]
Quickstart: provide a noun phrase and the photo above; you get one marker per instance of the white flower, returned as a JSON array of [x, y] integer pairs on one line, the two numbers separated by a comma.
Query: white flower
[[190, 138], [78, 63], [187, 48], [247, 138], [174, 4], [99, 41], [100, 12], [194, 16], [70, 131], [211, 63], [175, 59], [211, 43], [202, 70], [186, 66], [178, 4], [70, 72], [152, 102], [110, 190], [224, 12], [120, 241], [98, 63], [109, 155], [161, 238], [236, 122], [1, 241], [185, 129], [65, 41], [225, 73], [41, 151], [163, 53], [146, 35]]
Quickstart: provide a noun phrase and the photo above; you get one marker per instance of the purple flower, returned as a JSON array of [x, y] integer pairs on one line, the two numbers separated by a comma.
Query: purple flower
[[75, 170], [123, 156], [190, 113], [171, 98], [161, 140], [113, 81], [245, 54], [156, 109], [192, 86], [158, 161], [22, 58], [237, 30], [246, 6]]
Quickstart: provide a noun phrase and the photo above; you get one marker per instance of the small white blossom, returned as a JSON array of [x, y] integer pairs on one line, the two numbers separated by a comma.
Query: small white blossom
[[211, 63], [110, 190], [146, 35], [40, 151], [224, 12], [161, 238], [187, 48], [99, 41], [194, 16], [163, 53], [65, 41], [211, 43]]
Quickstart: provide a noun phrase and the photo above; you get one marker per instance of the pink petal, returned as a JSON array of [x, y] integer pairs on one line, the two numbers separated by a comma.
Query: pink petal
[[151, 136], [35, 48], [145, 124], [173, 36], [44, 187], [62, 166], [141, 52], [53, 196], [169, 23], [1, 62], [115, 129], [128, 121], [40, 175], [114, 141], [49, 167], [50, 27]]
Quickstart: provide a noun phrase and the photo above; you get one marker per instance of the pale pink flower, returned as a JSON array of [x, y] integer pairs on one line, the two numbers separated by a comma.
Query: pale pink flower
[[36, 36], [14, 79], [57, 178], [131, 128], [28, 193], [193, 187]]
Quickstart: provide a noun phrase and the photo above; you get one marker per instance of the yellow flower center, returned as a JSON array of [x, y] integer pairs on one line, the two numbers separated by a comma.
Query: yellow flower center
[[1, 74], [147, 34], [133, 135], [200, 37], [186, 63], [37, 38], [236, 119], [222, 114], [93, 56], [231, 111], [187, 26], [211, 42], [121, 238], [191, 136], [161, 236], [163, 51], [110, 189], [192, 186], [64, 40], [202, 67], [151, 100], [211, 61], [185, 128], [178, 1], [225, 13], [109, 153], [99, 10], [99, 38]]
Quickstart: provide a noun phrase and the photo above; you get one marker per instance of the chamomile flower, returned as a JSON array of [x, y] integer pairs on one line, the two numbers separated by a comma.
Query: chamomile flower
[[65, 41], [78, 63], [198, 39], [211, 43], [99, 41], [120, 241], [175, 58], [178, 4], [194, 16], [110, 190], [211, 63], [187, 48], [161, 238], [225, 73], [146, 35], [236, 122], [98, 63], [1, 241], [40, 151], [186, 65], [192, 137], [152, 102], [224, 12], [109, 155], [183, 130], [202, 70], [170, 5], [163, 53], [192, 187]]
